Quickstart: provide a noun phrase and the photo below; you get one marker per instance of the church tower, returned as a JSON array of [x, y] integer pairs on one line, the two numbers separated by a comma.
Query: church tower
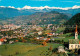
[[76, 33]]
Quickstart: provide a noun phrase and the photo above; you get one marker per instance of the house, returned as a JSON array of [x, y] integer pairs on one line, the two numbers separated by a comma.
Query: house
[[10, 42], [49, 26], [49, 34], [54, 34], [39, 28], [47, 39], [39, 38], [61, 49], [74, 43], [1, 41], [40, 32]]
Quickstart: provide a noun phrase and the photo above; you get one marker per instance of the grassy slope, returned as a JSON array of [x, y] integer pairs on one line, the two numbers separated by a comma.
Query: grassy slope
[[67, 37], [60, 29], [26, 49]]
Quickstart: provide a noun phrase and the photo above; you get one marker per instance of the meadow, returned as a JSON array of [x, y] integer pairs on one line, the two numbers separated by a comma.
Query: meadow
[[27, 49]]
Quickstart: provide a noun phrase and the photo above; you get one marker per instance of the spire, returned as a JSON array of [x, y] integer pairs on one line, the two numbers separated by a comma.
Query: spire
[[76, 31]]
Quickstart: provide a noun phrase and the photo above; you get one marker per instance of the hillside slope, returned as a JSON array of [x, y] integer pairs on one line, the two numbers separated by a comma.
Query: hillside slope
[[52, 17], [73, 21]]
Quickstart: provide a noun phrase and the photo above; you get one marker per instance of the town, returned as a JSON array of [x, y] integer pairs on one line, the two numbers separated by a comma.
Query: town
[[42, 35], [39, 27]]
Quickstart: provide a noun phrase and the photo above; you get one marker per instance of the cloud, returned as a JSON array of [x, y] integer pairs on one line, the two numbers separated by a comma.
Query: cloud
[[75, 7], [40, 0], [8, 7], [2, 6], [42, 7], [11, 7]]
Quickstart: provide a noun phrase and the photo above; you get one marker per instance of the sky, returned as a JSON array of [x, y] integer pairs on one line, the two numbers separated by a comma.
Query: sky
[[39, 3]]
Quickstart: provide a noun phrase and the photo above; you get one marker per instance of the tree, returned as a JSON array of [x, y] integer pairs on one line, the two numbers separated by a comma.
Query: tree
[[21, 37], [44, 43], [16, 40], [50, 48]]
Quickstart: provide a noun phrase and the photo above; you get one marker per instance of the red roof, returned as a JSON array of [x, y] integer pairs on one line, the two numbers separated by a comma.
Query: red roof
[[1, 39], [48, 39], [42, 37], [49, 33]]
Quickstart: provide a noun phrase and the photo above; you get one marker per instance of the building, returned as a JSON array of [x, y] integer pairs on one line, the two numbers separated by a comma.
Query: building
[[76, 33], [61, 49], [74, 43], [49, 34], [1, 41], [40, 32]]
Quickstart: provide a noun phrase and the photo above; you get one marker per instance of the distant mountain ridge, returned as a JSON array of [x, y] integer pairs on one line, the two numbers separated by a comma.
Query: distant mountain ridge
[[11, 12], [52, 17], [74, 20]]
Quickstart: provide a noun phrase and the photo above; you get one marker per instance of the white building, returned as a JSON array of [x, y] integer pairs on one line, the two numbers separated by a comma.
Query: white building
[[74, 43], [76, 33], [61, 49], [74, 46], [1, 43], [40, 32]]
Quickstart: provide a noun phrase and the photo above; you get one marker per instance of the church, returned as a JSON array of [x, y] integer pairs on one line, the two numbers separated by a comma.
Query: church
[[74, 43]]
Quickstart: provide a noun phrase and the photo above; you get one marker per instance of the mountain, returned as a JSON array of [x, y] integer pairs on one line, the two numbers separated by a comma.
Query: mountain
[[52, 17], [73, 21], [6, 12]]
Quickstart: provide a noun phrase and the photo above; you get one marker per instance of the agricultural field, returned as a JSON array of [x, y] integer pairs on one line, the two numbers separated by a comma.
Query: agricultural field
[[64, 37], [67, 37], [60, 29], [27, 49]]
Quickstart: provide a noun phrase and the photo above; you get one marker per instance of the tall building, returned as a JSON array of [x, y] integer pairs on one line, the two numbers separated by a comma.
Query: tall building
[[76, 33], [74, 43]]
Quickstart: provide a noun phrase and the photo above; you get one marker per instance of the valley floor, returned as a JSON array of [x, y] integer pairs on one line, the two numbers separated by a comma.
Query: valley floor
[[27, 49]]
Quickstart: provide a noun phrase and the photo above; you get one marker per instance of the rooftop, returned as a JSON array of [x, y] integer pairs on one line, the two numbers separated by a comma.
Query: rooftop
[[73, 41]]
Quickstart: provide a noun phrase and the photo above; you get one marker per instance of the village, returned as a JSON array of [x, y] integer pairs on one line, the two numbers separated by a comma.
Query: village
[[41, 35]]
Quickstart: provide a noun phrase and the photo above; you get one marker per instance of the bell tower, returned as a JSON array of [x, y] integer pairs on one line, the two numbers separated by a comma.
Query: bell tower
[[76, 33]]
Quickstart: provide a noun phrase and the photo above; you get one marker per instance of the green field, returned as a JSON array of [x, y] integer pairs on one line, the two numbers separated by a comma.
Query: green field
[[67, 37], [60, 29], [26, 49]]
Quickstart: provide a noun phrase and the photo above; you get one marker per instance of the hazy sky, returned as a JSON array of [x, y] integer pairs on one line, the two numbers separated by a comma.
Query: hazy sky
[[38, 3]]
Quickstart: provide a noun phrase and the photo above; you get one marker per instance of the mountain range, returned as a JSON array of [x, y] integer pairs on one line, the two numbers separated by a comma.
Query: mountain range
[[37, 16], [6, 12], [52, 17]]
